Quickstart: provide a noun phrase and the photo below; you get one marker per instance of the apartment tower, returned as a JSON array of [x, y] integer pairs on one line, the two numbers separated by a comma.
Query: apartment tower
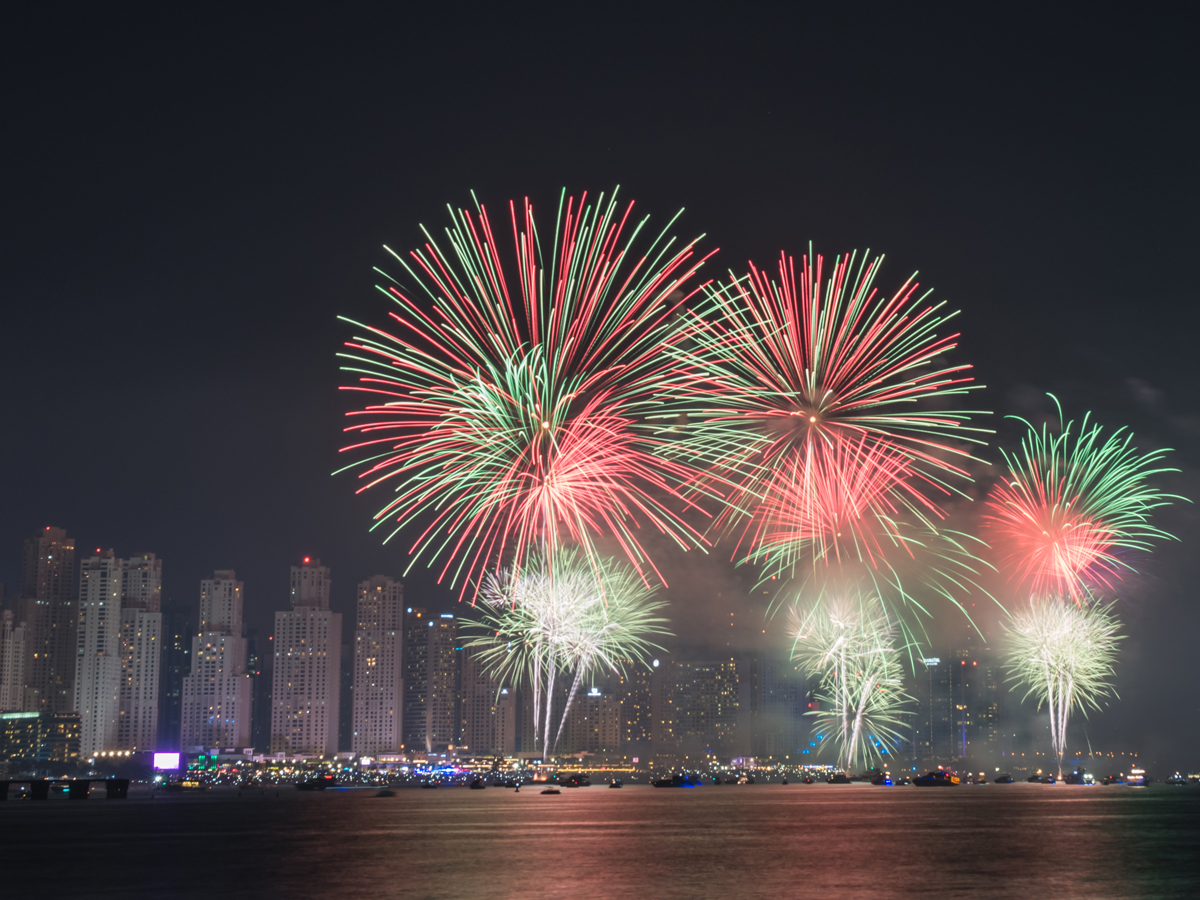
[[218, 693], [378, 692], [305, 688]]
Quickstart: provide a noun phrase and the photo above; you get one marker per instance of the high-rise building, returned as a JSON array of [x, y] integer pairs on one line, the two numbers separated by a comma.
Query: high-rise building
[[48, 613], [431, 718], [141, 652], [378, 692], [217, 694], [119, 644], [305, 689], [260, 664], [98, 636], [489, 708], [637, 722], [704, 701], [933, 724], [178, 632], [415, 663], [441, 707], [594, 720], [12, 663], [779, 728]]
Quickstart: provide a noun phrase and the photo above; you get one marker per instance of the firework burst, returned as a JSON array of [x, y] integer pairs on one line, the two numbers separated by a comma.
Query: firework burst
[[1063, 655], [509, 395], [816, 408], [1073, 504], [565, 615], [849, 647]]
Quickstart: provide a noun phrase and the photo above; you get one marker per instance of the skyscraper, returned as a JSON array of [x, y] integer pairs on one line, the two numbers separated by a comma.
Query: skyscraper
[[415, 662], [98, 636], [704, 700], [488, 710], [47, 611], [594, 721], [378, 672], [178, 632], [431, 710], [217, 695], [441, 707], [636, 719], [933, 725], [141, 652], [306, 681], [12, 663]]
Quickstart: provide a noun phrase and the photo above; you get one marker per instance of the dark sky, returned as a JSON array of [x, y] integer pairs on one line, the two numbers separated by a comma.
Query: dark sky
[[189, 201]]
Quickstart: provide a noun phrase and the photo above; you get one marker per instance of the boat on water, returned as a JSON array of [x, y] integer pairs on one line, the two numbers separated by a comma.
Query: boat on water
[[1136, 776], [576, 779], [615, 783], [316, 783], [678, 780], [551, 790], [1003, 779], [882, 778], [180, 786], [1079, 776], [1042, 779], [937, 779], [838, 778], [477, 784]]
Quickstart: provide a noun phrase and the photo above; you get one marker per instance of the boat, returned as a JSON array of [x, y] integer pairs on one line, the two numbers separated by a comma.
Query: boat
[[180, 786], [477, 784], [784, 780], [316, 783], [551, 790], [678, 780], [577, 779], [808, 779], [1003, 779], [1175, 779], [1136, 776], [937, 779], [1079, 776], [838, 778], [882, 778], [615, 783]]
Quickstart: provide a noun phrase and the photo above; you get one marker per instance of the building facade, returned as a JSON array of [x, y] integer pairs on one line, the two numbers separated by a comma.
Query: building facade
[[218, 694], [378, 691], [98, 639], [12, 663], [305, 688], [141, 653], [47, 611]]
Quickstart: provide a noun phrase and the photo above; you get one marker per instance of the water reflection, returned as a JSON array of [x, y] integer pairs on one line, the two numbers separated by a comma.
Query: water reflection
[[1023, 841]]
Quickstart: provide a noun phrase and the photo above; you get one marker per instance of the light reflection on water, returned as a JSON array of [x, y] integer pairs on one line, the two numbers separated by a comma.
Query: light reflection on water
[[1023, 841]]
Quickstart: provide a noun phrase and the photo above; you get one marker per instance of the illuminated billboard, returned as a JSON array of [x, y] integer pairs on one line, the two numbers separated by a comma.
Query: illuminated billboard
[[166, 760]]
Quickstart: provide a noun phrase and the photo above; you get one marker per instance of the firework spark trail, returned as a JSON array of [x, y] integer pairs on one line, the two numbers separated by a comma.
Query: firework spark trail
[[563, 615], [825, 366], [514, 413], [1073, 502], [1063, 654], [849, 646], [813, 404]]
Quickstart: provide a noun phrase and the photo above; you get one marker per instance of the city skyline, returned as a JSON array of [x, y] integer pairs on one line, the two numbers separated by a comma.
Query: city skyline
[[751, 703]]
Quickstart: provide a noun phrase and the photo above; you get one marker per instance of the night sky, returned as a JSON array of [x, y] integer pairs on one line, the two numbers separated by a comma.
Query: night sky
[[189, 202]]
